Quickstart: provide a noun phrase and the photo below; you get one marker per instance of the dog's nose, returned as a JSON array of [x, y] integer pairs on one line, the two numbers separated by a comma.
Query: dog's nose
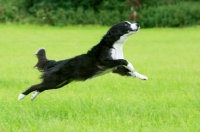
[[137, 25]]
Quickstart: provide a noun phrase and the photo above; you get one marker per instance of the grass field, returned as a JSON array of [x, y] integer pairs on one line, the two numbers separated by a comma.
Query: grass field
[[168, 102]]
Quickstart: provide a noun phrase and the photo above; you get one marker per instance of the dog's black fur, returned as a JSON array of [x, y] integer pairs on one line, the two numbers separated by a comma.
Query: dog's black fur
[[56, 74]]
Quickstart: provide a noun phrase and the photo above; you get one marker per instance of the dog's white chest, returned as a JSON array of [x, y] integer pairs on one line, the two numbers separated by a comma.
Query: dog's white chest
[[117, 51]]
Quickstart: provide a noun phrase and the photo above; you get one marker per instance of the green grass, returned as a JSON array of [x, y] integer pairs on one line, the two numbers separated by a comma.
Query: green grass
[[168, 102]]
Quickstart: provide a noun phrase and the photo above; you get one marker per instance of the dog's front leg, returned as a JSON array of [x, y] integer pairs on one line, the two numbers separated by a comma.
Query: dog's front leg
[[135, 73], [130, 67], [114, 63], [138, 75], [124, 71]]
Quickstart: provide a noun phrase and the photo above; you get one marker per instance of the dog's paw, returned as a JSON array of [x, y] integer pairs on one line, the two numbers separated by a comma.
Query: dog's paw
[[34, 95], [21, 96], [140, 76], [143, 78]]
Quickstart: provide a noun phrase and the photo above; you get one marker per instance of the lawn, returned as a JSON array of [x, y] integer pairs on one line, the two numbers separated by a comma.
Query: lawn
[[168, 102]]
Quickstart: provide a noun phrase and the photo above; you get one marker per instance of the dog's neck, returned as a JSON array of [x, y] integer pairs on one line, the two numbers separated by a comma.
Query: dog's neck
[[119, 43], [117, 52], [122, 39]]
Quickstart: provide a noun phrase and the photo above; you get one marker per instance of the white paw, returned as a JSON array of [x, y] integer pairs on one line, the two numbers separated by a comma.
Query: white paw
[[143, 78], [140, 76], [34, 95], [21, 96]]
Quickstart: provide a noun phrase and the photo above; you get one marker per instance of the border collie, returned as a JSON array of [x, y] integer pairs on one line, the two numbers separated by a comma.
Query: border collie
[[106, 56]]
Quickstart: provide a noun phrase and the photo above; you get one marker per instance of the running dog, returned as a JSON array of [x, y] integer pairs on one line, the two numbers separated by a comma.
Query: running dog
[[106, 56]]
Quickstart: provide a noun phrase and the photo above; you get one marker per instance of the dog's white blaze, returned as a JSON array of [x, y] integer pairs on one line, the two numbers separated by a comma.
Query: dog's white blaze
[[134, 26]]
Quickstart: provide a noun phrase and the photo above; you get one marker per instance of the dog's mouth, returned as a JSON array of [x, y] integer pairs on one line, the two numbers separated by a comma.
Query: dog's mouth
[[134, 30]]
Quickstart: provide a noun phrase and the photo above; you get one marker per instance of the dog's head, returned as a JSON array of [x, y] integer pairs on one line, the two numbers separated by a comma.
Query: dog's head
[[122, 30]]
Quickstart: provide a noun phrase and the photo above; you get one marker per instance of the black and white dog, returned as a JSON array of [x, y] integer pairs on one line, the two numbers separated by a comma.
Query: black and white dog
[[106, 56]]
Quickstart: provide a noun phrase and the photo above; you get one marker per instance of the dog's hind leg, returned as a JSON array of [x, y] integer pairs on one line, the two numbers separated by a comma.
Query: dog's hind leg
[[42, 87], [31, 89], [35, 94]]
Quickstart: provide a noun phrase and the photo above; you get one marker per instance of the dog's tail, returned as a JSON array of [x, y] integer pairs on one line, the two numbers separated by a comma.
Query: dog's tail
[[43, 63]]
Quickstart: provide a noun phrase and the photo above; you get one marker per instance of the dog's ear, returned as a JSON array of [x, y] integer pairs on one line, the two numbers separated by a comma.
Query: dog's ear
[[113, 35]]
